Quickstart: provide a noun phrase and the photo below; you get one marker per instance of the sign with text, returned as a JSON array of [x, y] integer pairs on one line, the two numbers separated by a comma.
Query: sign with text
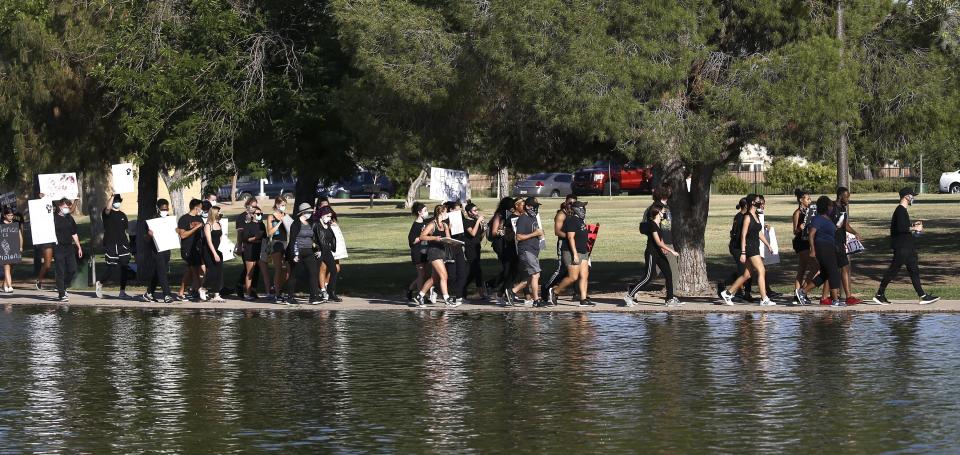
[[449, 185], [341, 242], [10, 244], [59, 186], [165, 236]]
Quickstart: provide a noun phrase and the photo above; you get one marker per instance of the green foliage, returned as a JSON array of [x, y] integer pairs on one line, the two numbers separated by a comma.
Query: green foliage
[[729, 184], [886, 185], [784, 176]]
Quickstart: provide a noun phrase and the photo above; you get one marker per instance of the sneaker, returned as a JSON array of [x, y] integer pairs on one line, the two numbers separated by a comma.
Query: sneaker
[[433, 296], [291, 300], [727, 298], [853, 301], [217, 299], [880, 299], [270, 296], [587, 302], [551, 297], [167, 299], [451, 303], [927, 299], [63, 298], [838, 303], [98, 290], [148, 297], [409, 295], [279, 300], [249, 297], [767, 302], [335, 298], [826, 302], [801, 296], [511, 297], [628, 300], [37, 285], [315, 301], [673, 301], [203, 294], [774, 294], [421, 302], [123, 295]]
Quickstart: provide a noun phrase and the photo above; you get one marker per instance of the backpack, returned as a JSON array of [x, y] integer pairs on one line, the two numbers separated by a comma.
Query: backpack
[[645, 227]]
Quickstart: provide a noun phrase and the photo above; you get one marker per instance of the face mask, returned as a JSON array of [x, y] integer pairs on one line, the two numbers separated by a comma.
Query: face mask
[[65, 210], [258, 217], [580, 212], [213, 203], [164, 213], [327, 219], [423, 214], [909, 200], [282, 208], [116, 205], [204, 214]]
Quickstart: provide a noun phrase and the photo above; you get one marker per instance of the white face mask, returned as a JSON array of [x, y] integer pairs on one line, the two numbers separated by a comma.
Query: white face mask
[[282, 208], [258, 217], [204, 214], [65, 210], [213, 203], [116, 205], [327, 219], [164, 213], [423, 214]]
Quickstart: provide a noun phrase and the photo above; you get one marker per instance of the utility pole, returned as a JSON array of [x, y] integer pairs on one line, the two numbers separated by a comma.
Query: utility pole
[[843, 165]]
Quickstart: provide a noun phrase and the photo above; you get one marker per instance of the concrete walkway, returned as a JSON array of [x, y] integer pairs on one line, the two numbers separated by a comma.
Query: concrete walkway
[[605, 303]]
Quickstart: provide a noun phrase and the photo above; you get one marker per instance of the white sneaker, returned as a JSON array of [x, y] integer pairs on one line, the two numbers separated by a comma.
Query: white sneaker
[[628, 300], [216, 298], [99, 290], [203, 294], [673, 301], [727, 297], [767, 302], [433, 296]]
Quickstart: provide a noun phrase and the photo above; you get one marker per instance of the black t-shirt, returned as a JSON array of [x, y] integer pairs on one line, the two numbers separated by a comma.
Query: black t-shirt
[[189, 244], [841, 211], [579, 228], [653, 228], [900, 235], [253, 228], [414, 235], [735, 231], [65, 228], [115, 225], [527, 224]]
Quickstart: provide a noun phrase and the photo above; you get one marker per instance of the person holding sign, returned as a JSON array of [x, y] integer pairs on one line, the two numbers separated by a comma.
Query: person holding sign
[[116, 246], [277, 233], [326, 246], [10, 253], [435, 232], [212, 260], [902, 233], [456, 261], [841, 217], [68, 248], [158, 260], [751, 235], [301, 253], [473, 228]]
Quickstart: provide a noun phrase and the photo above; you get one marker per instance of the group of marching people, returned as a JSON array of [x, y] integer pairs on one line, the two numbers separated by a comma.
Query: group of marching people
[[289, 242]]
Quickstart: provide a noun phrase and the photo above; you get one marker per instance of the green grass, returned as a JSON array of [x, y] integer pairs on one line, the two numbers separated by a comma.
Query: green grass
[[379, 261]]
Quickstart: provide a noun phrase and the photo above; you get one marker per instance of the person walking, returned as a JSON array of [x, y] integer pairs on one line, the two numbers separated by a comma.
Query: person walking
[[808, 267], [188, 228], [823, 248], [528, 236], [42, 252], [155, 263], [301, 254], [456, 261], [212, 258], [473, 233], [9, 221], [902, 233], [501, 243], [418, 251], [116, 247], [68, 248], [751, 236], [744, 294], [254, 233], [277, 245], [656, 254], [434, 233], [841, 217], [575, 255], [325, 271], [558, 220], [326, 247]]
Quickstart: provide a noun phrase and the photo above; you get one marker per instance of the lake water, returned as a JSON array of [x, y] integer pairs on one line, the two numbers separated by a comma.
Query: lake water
[[111, 381]]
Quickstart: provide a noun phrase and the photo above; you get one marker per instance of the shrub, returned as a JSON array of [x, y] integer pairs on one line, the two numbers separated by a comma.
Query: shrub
[[887, 185], [730, 184], [784, 176]]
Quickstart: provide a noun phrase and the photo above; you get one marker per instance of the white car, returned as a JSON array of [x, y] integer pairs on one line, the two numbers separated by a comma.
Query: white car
[[950, 182]]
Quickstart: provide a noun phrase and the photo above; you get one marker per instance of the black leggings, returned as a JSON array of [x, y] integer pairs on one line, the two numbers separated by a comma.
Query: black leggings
[[65, 266], [508, 264], [474, 275], [656, 260], [558, 275], [308, 261], [161, 262], [327, 258], [117, 272], [457, 272], [827, 257], [901, 257], [213, 280]]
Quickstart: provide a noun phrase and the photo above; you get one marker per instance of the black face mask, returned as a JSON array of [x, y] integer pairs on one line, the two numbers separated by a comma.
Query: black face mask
[[532, 211], [579, 212]]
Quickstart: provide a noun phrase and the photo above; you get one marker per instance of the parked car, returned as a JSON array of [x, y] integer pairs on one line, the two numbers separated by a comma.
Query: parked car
[[247, 186], [544, 184], [358, 186], [631, 178], [950, 182]]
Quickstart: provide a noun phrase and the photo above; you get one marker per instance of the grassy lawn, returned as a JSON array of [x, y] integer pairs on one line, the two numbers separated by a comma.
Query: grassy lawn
[[379, 265]]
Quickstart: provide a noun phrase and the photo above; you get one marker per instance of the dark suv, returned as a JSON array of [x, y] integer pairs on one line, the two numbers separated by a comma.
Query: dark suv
[[247, 186], [358, 186]]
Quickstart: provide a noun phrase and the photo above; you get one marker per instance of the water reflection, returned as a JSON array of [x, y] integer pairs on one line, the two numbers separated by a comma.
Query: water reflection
[[44, 421]]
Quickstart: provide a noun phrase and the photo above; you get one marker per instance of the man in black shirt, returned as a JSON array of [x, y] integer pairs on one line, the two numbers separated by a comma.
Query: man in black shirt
[[116, 246], [575, 255], [528, 235], [902, 232], [188, 228], [151, 263], [68, 248]]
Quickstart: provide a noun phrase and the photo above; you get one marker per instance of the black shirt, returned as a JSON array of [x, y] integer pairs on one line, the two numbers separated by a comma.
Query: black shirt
[[189, 244], [115, 227], [900, 235], [652, 247], [735, 231], [65, 228], [413, 237], [472, 247], [253, 228], [527, 224], [576, 225], [841, 211]]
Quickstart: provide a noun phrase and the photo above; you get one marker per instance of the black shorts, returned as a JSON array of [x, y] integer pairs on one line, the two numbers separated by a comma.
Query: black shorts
[[753, 250], [800, 245], [842, 259], [418, 256], [436, 254], [251, 252], [192, 258]]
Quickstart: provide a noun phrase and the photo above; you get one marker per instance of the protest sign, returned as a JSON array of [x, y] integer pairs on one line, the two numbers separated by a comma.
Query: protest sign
[[456, 222], [449, 184], [341, 242], [123, 178], [41, 221], [165, 236], [10, 243], [59, 186]]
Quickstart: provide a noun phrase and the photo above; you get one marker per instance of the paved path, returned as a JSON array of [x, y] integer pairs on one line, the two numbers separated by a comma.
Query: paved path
[[605, 303]]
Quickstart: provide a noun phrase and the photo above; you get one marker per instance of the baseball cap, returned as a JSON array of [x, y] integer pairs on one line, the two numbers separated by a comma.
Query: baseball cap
[[578, 204], [531, 202], [907, 191]]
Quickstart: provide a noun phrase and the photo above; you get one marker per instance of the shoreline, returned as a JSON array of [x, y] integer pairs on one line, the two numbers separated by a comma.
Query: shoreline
[[605, 304]]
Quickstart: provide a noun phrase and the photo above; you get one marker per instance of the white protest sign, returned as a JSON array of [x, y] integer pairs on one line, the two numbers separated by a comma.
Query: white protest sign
[[226, 248], [58, 186], [287, 222], [165, 236], [123, 178], [773, 256], [543, 240], [449, 184], [341, 242], [41, 221], [456, 222]]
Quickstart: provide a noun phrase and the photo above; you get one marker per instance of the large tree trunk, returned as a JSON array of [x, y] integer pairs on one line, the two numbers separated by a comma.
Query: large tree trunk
[[689, 210], [843, 154], [503, 189], [175, 187], [95, 199], [414, 187], [233, 189]]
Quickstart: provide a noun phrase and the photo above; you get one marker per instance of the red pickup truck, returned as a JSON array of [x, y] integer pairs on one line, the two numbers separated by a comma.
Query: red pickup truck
[[631, 178]]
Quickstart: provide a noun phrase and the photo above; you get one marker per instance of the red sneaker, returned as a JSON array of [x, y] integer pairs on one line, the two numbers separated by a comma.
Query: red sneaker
[[853, 301], [826, 301]]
